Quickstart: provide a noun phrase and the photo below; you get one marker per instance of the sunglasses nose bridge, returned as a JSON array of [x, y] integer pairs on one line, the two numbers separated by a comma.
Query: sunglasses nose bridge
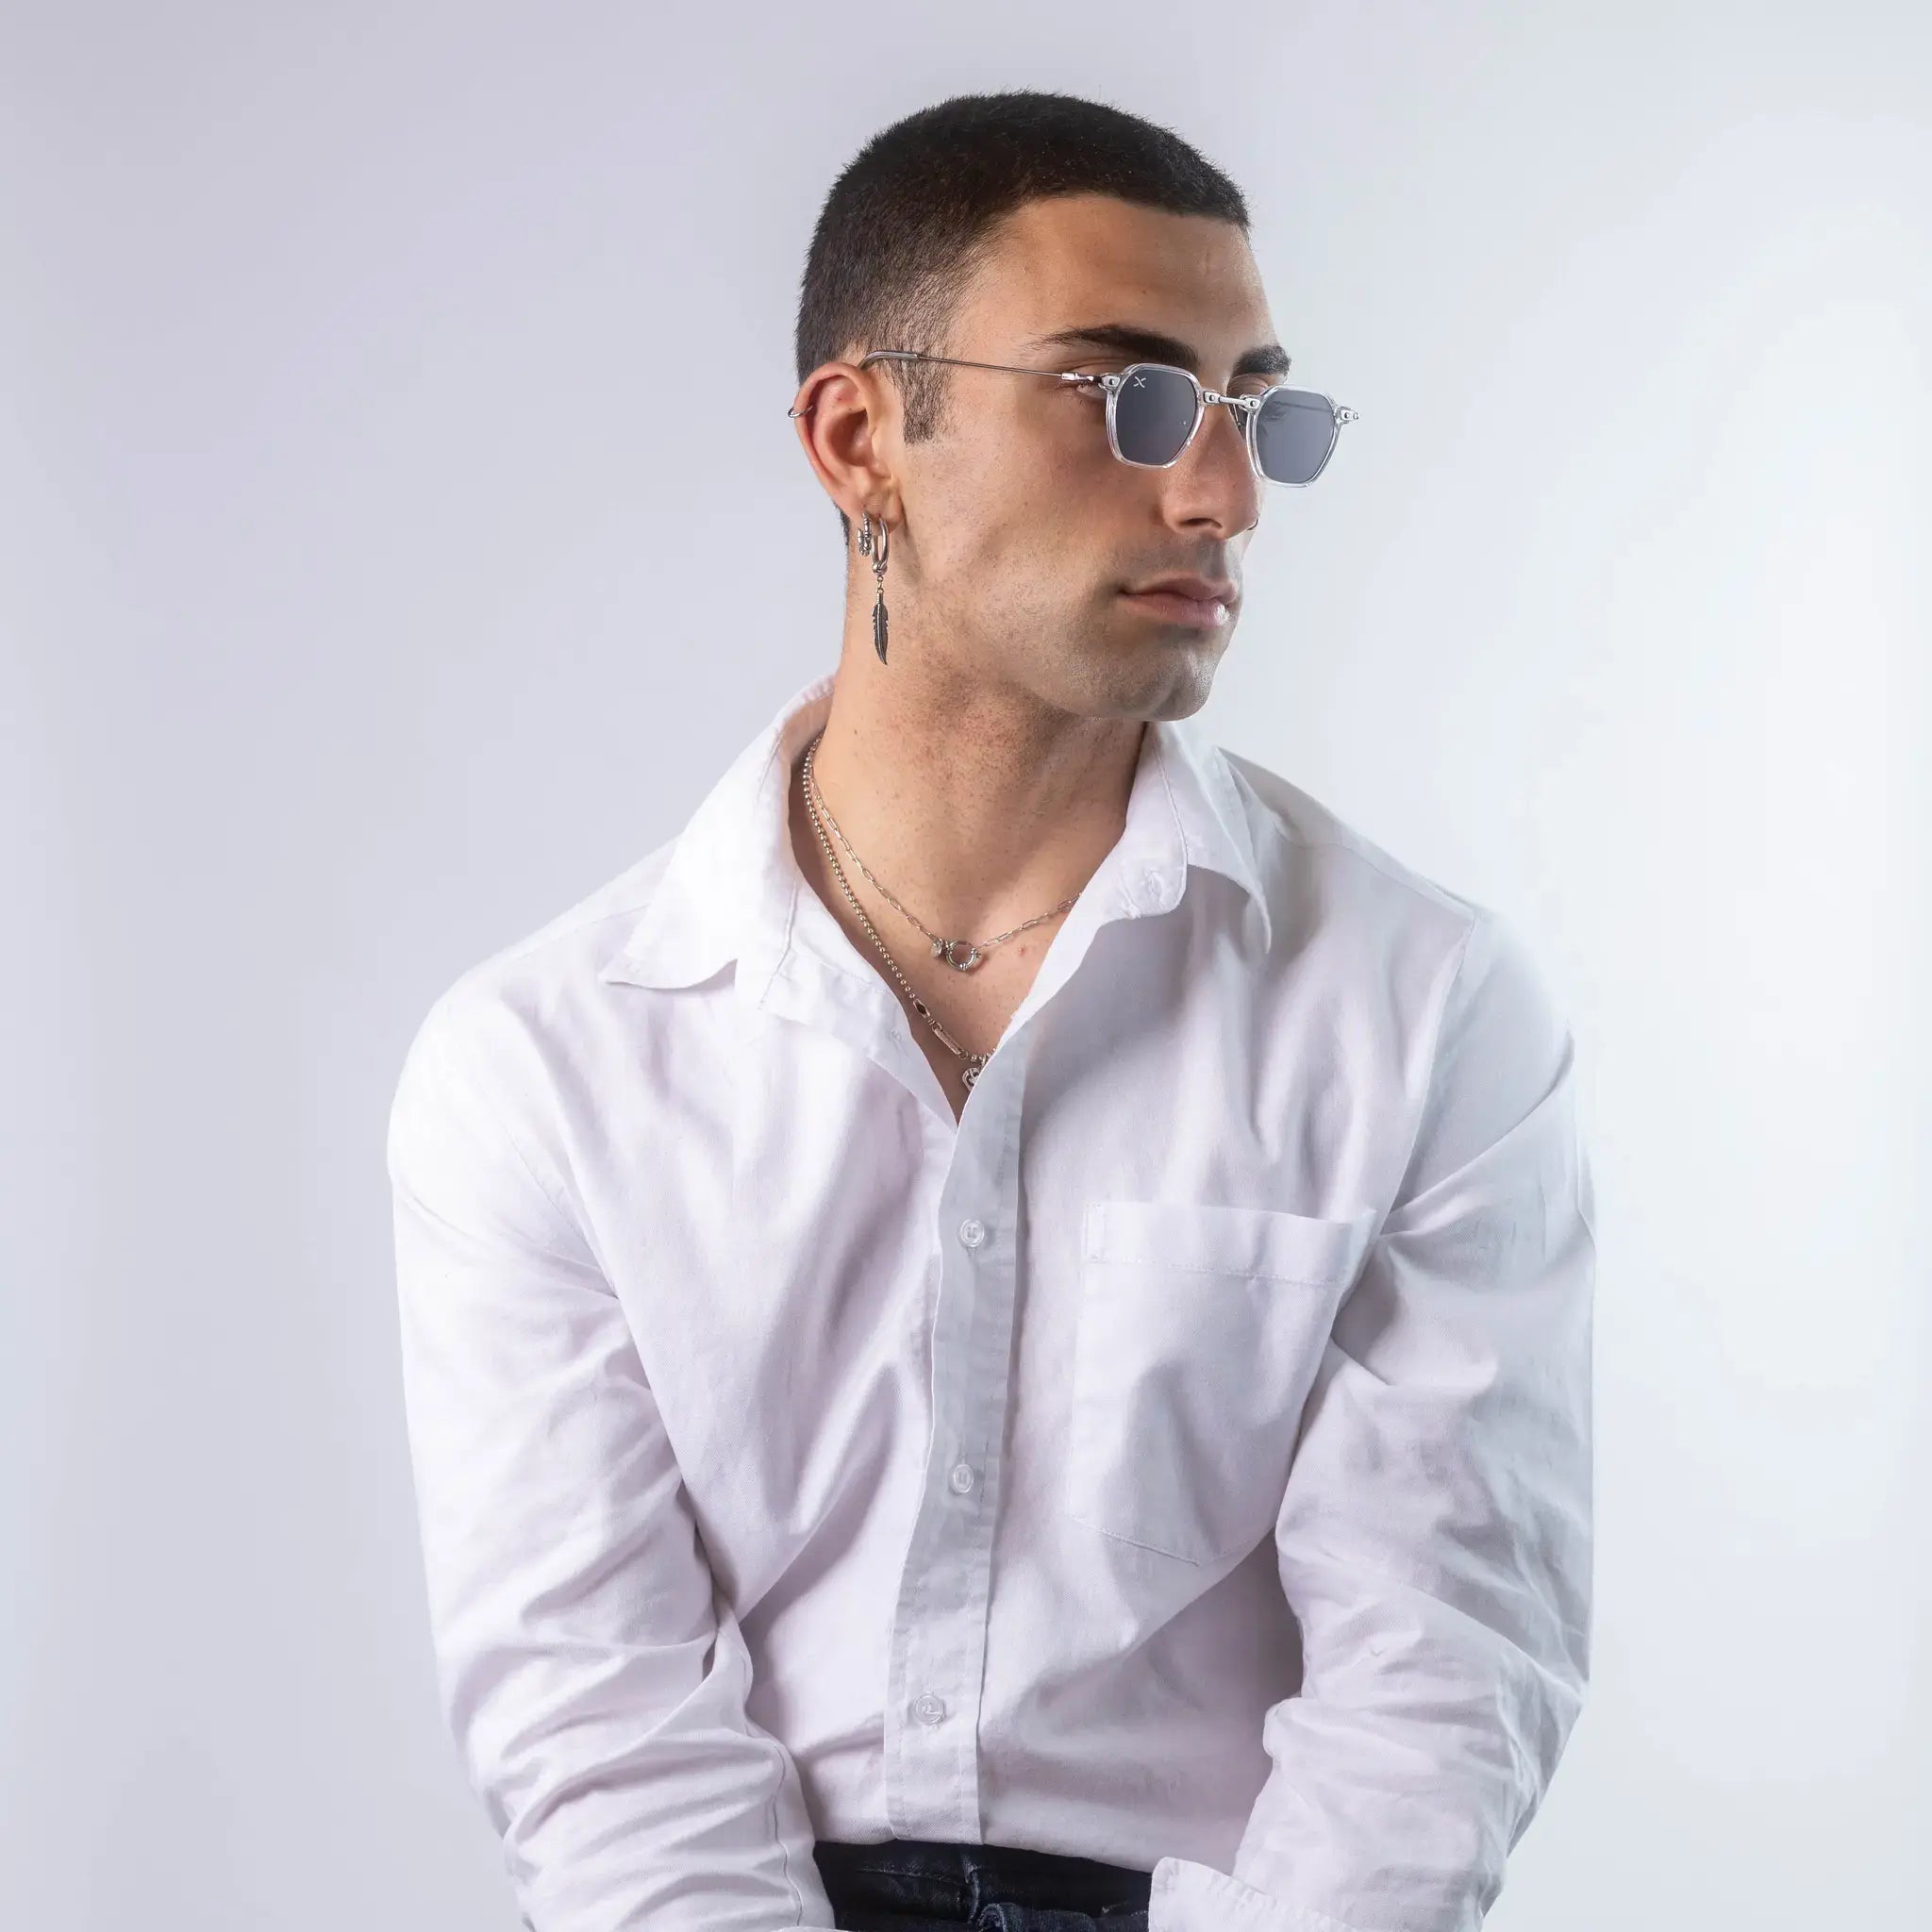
[[1244, 410]]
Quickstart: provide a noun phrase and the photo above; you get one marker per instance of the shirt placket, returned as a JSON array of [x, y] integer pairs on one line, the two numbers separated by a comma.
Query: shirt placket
[[937, 1653]]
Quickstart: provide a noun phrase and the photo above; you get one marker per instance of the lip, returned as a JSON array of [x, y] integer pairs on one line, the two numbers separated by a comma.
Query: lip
[[1209, 614]]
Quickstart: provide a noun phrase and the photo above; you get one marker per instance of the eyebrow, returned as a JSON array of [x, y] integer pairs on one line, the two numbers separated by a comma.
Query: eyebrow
[[1269, 359]]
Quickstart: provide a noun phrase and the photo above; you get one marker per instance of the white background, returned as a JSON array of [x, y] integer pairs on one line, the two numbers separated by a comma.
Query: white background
[[400, 528]]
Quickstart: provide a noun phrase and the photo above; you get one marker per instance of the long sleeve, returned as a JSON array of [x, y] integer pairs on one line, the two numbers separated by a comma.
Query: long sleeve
[[592, 1676], [1435, 1538]]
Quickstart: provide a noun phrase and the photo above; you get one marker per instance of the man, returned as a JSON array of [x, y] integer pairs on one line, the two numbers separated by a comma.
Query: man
[[998, 1333]]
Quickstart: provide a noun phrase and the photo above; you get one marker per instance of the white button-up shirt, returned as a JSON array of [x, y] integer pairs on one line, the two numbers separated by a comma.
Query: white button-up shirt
[[1182, 1459]]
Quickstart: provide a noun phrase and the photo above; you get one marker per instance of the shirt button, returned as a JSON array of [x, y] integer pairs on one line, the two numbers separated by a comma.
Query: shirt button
[[930, 1708], [972, 1232], [961, 1478]]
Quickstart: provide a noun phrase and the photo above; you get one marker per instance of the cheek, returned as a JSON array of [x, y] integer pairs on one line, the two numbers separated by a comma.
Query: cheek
[[1013, 517], [1029, 458]]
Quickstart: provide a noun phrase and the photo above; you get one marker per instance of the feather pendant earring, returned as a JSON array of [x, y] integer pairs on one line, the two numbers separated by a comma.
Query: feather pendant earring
[[867, 546]]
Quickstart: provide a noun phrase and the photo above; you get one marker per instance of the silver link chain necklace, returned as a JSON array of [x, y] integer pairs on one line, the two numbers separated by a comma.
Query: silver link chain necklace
[[948, 950]]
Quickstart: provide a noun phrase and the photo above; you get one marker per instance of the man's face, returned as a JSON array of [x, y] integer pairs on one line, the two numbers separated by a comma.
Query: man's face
[[1029, 529]]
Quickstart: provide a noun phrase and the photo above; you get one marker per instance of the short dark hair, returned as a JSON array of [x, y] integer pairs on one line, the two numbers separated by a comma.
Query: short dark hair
[[907, 222]]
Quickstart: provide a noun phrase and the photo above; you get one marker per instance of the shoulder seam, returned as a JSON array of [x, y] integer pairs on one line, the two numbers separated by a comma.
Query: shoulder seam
[[566, 1222], [1422, 887], [1453, 979], [1419, 884]]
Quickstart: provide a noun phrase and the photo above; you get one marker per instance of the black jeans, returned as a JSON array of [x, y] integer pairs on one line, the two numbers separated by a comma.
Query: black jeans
[[916, 1885]]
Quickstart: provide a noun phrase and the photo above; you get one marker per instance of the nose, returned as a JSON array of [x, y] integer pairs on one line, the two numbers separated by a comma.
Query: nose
[[1215, 477]]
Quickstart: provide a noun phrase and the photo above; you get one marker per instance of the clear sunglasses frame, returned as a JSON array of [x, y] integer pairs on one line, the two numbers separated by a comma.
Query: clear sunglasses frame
[[1248, 408]]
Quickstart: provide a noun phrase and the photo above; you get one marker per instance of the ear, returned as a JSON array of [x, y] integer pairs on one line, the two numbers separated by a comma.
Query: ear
[[847, 421]]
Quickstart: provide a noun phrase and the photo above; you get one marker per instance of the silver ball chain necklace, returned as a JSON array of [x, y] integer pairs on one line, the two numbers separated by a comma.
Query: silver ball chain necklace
[[949, 950]]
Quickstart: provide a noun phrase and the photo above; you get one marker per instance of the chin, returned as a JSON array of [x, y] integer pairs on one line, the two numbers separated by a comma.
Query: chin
[[1173, 682]]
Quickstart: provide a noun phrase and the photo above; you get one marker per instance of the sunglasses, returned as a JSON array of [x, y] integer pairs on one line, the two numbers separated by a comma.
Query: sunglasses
[[1154, 412]]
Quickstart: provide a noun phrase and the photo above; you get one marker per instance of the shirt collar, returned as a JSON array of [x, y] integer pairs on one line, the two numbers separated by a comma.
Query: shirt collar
[[728, 891]]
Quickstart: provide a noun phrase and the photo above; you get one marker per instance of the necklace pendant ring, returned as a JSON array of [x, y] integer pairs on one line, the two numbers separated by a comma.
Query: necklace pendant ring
[[948, 950]]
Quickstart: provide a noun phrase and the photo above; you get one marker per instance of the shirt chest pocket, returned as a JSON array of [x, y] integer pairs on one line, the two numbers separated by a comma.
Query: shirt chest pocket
[[1200, 1329]]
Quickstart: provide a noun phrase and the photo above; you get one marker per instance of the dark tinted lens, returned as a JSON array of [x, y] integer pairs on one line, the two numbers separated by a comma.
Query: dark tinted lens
[[1293, 434], [1152, 414]]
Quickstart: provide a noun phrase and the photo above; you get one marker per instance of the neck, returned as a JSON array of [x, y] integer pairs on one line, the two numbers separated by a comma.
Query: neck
[[976, 804]]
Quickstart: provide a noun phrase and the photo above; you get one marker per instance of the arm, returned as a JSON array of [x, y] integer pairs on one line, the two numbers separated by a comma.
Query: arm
[[1435, 1540], [596, 1688]]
